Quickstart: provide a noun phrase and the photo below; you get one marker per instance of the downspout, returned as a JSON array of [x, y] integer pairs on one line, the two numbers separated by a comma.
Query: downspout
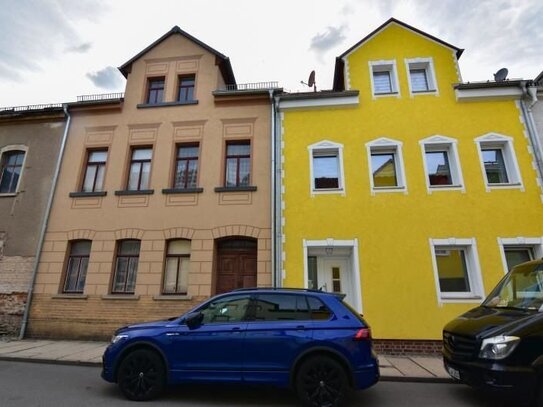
[[272, 187], [44, 224], [530, 124], [278, 199]]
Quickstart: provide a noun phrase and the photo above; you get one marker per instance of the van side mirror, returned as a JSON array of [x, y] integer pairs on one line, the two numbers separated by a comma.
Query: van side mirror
[[194, 320]]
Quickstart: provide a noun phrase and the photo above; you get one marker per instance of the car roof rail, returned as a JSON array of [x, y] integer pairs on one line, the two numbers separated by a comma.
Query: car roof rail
[[308, 290]]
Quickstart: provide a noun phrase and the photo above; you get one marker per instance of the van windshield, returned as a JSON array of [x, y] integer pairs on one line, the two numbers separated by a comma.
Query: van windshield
[[522, 288]]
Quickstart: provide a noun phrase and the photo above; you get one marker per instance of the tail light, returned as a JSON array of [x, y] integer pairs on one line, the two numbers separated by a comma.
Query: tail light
[[362, 334]]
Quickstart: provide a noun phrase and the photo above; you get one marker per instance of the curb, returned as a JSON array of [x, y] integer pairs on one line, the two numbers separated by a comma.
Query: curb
[[403, 379], [51, 361]]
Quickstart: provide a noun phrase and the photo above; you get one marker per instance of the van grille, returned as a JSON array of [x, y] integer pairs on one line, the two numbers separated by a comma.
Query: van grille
[[460, 347]]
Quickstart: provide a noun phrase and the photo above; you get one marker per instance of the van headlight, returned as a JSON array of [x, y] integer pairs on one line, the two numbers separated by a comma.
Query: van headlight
[[498, 347], [117, 338]]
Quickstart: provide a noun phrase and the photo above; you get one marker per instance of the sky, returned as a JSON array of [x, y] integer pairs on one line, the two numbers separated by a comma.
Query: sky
[[51, 51]]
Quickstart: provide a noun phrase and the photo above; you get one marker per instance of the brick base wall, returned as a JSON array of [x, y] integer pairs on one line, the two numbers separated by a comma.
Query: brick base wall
[[12, 307], [405, 347], [95, 318]]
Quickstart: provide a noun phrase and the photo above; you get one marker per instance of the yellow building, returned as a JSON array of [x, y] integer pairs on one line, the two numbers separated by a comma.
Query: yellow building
[[404, 188]]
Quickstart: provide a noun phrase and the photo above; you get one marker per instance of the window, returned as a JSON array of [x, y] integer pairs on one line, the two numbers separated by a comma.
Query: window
[[185, 91], [386, 165], [498, 161], [11, 166], [515, 255], [456, 269], [95, 170], [518, 250], [126, 267], [186, 167], [278, 307], [384, 78], [318, 310], [421, 75], [441, 163], [238, 164], [230, 309], [140, 169], [326, 167], [76, 269], [177, 266], [155, 90]]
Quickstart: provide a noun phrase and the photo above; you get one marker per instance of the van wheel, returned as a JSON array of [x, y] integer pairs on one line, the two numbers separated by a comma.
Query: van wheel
[[321, 382], [142, 375]]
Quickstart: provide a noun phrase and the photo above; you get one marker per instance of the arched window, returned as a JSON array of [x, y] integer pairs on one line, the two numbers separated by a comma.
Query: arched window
[[11, 167]]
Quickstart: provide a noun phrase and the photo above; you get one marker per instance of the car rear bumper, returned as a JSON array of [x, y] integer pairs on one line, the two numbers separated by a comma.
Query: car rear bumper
[[495, 376], [366, 377]]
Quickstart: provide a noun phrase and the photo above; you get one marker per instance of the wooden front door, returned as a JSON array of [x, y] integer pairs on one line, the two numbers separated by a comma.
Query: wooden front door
[[236, 265]]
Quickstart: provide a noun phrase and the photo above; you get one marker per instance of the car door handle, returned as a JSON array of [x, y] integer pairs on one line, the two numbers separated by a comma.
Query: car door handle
[[236, 329], [172, 334], [300, 327]]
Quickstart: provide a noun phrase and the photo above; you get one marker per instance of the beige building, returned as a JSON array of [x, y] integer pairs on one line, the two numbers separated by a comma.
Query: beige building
[[163, 197]]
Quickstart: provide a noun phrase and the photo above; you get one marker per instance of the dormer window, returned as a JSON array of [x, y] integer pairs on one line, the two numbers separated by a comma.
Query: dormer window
[[155, 90], [186, 88]]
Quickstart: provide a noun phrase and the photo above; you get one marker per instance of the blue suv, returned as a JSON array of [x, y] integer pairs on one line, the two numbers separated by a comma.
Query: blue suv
[[309, 340]]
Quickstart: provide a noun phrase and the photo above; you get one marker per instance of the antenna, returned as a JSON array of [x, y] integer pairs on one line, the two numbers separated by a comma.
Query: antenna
[[501, 75], [311, 81]]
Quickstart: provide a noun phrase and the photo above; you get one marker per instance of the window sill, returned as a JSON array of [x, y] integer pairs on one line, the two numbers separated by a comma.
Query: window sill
[[8, 195], [166, 104], [388, 189], [515, 185], [235, 189], [66, 296], [182, 190], [472, 299], [378, 95], [172, 297], [424, 92], [125, 297], [444, 187], [327, 191], [139, 192], [87, 194]]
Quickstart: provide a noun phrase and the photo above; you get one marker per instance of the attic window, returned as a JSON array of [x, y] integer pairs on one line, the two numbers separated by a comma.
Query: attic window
[[155, 90], [384, 78], [186, 88]]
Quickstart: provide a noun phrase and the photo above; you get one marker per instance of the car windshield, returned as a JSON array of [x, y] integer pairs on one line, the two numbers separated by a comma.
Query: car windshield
[[522, 288]]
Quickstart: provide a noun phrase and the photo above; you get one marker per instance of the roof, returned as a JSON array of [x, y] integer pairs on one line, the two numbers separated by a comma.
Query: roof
[[53, 109], [489, 84], [339, 81], [223, 61], [319, 95]]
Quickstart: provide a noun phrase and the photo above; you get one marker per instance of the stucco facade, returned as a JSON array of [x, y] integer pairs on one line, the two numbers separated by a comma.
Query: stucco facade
[[211, 215], [34, 135], [386, 235]]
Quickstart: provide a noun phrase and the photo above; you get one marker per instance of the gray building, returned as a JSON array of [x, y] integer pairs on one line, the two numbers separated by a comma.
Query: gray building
[[30, 142]]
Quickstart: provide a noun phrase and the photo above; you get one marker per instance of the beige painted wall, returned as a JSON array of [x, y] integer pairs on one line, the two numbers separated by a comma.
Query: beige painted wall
[[200, 217]]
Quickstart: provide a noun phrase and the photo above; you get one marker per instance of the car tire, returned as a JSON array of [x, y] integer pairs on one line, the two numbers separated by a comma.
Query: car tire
[[321, 382], [142, 375], [538, 399]]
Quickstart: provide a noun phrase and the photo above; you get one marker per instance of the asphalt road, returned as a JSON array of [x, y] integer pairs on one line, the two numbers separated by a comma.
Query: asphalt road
[[32, 384]]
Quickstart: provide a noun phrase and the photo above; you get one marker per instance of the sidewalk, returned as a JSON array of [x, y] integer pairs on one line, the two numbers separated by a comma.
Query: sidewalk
[[87, 353]]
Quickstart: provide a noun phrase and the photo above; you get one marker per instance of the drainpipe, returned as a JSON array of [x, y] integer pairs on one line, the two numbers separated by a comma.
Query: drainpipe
[[44, 223], [272, 187], [278, 199], [531, 91]]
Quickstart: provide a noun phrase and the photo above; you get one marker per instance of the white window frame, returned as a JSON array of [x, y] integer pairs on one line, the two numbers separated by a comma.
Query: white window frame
[[15, 147], [324, 146], [386, 145], [535, 243], [385, 66], [505, 144], [443, 143], [428, 65], [469, 245]]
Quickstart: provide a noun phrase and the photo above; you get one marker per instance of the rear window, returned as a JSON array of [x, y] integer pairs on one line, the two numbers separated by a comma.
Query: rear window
[[354, 312], [279, 307], [318, 310]]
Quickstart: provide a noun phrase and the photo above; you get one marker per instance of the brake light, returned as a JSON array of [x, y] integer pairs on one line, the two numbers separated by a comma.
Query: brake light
[[362, 334]]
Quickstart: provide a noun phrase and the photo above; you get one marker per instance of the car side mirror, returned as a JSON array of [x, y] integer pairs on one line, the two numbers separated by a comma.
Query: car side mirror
[[194, 320]]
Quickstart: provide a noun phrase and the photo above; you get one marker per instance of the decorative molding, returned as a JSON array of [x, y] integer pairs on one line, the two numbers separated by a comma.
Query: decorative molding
[[80, 234], [122, 234], [178, 233], [235, 230]]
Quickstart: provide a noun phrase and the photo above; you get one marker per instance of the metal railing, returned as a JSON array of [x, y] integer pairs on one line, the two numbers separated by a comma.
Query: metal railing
[[103, 96], [249, 86], [30, 107]]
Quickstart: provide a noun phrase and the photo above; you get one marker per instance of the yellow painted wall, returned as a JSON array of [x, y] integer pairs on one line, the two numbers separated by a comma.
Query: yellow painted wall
[[397, 279]]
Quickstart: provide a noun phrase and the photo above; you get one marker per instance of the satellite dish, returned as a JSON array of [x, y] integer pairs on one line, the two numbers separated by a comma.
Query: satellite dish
[[501, 75], [311, 81]]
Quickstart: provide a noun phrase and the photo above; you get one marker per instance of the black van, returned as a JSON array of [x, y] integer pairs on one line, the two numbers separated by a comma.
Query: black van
[[499, 345]]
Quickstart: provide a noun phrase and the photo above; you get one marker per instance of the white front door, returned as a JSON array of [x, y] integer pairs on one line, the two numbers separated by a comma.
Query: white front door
[[335, 276]]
